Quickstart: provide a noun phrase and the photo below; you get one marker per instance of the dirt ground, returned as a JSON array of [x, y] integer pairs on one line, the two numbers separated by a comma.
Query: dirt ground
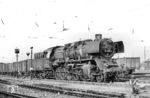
[[143, 85]]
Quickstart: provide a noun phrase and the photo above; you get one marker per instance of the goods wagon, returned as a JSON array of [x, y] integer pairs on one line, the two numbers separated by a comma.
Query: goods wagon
[[20, 66], [147, 65], [15, 68], [6, 68], [24, 66], [1, 68], [11, 67], [129, 62], [28, 65], [37, 64]]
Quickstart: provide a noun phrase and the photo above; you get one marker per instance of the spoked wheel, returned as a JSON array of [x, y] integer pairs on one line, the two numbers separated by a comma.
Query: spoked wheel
[[117, 77], [81, 76], [57, 74], [61, 74], [75, 77], [49, 74], [100, 78], [92, 76], [78, 75], [40, 76]]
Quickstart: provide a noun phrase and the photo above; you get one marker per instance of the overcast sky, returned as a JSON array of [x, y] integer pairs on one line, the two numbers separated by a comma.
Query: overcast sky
[[39, 23]]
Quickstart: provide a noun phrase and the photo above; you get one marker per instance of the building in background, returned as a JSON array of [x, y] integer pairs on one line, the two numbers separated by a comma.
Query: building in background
[[130, 62]]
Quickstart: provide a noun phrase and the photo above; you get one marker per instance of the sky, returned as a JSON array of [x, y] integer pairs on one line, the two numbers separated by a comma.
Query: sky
[[40, 23]]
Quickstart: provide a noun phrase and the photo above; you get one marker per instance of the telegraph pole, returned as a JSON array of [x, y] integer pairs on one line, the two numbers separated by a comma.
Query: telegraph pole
[[31, 55], [17, 52], [31, 68]]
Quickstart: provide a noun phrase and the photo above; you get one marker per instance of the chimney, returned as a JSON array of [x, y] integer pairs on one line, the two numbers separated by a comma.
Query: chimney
[[98, 36]]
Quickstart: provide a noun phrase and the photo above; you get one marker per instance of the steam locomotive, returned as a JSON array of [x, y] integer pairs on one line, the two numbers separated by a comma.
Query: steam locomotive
[[86, 60]]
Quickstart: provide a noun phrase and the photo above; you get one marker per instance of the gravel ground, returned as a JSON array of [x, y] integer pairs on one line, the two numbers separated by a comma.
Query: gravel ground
[[30, 92], [117, 87], [107, 88], [123, 88]]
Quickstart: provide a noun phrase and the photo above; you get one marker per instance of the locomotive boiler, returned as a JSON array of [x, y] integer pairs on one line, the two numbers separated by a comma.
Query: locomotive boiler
[[86, 60]]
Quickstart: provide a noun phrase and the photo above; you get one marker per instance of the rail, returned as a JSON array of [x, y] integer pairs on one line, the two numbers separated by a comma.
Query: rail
[[13, 95]]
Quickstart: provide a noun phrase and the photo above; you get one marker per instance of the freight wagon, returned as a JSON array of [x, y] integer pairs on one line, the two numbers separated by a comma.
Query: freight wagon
[[39, 66], [1, 68], [147, 65], [129, 62]]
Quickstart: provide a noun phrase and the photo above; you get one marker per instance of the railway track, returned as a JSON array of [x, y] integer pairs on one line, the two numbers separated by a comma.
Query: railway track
[[73, 92], [13, 95], [115, 84], [69, 91]]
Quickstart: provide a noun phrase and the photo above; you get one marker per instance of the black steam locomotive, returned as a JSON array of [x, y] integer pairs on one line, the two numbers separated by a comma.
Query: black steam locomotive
[[84, 60]]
